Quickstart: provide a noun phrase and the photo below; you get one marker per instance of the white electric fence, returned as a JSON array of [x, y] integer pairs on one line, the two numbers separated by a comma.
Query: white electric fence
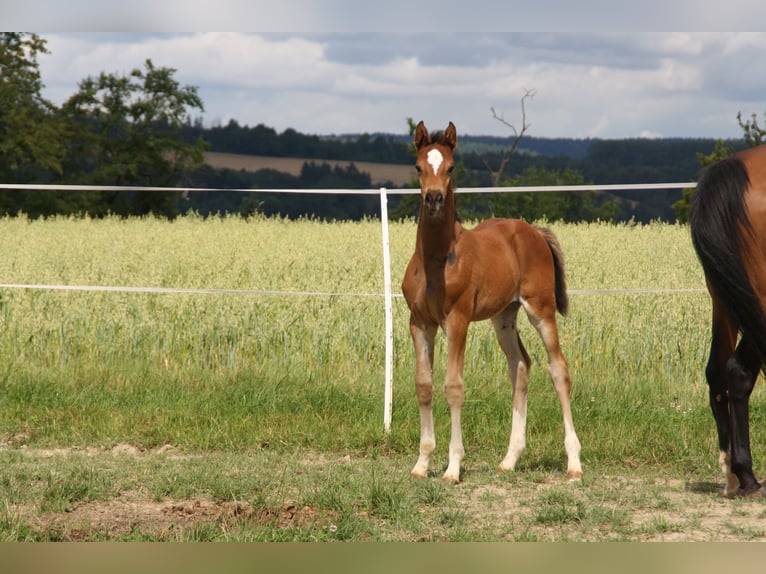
[[387, 291]]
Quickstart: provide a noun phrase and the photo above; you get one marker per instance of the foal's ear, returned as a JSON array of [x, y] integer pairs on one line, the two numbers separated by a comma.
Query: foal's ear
[[421, 135], [450, 136]]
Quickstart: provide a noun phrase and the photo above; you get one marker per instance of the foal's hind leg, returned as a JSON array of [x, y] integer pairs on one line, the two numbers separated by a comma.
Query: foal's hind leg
[[544, 320], [518, 370]]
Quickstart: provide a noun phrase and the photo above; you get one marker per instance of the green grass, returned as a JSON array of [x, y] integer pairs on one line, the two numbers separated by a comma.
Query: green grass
[[228, 378]]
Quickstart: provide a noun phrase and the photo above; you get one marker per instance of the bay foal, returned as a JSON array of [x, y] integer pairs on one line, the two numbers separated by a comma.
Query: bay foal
[[459, 275]]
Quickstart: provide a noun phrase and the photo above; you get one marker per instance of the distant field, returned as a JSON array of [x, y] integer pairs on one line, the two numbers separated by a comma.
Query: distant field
[[400, 175]]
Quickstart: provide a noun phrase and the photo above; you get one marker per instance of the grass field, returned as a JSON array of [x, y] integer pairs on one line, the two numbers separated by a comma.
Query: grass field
[[217, 416]]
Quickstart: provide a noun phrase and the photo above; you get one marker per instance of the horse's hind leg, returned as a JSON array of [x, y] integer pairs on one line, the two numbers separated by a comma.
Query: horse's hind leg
[[544, 320], [721, 349], [741, 372], [518, 370], [731, 374]]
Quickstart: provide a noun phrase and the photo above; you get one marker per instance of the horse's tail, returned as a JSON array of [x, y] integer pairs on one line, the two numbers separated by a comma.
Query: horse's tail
[[719, 222], [562, 298]]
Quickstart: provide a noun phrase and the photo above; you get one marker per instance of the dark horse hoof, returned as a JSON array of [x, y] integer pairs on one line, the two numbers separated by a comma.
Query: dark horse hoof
[[753, 491]]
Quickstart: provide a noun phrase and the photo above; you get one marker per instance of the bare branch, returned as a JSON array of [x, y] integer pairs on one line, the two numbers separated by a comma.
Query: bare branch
[[518, 134]]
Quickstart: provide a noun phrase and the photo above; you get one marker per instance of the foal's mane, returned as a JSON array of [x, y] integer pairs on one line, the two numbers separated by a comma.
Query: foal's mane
[[437, 137]]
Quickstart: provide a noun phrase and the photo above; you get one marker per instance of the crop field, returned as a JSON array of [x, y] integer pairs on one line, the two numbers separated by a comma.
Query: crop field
[[258, 415], [400, 174]]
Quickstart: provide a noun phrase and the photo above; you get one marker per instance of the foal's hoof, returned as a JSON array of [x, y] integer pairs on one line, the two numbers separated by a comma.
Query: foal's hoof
[[417, 473], [574, 475], [450, 478]]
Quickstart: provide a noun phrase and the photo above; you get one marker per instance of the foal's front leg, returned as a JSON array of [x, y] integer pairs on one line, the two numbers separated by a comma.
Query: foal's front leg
[[457, 330], [423, 339]]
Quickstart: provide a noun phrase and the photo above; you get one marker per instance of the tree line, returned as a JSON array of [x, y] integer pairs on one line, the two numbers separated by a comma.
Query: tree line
[[590, 161], [138, 129]]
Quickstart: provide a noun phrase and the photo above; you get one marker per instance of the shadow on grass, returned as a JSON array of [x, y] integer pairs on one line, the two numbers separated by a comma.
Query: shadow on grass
[[704, 488]]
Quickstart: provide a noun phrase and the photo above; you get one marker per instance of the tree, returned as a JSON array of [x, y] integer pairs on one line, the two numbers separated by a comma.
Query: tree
[[125, 131], [30, 133], [550, 205], [754, 134], [518, 134], [530, 206], [722, 150]]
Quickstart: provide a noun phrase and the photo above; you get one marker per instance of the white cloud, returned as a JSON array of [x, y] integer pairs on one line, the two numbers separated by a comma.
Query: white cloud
[[598, 85], [675, 43], [674, 75]]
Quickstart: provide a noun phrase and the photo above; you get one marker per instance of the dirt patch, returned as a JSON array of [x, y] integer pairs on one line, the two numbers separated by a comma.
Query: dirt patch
[[165, 520], [121, 449]]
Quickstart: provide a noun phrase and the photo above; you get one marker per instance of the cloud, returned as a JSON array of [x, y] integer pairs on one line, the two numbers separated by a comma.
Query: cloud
[[587, 84]]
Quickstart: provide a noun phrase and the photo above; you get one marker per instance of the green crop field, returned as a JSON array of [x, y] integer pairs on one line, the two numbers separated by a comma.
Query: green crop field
[[259, 415]]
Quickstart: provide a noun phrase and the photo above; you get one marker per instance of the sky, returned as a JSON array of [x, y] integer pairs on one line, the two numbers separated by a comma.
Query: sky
[[337, 67]]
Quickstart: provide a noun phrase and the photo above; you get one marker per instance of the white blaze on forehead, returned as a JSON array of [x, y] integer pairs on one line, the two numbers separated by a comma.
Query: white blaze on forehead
[[435, 158]]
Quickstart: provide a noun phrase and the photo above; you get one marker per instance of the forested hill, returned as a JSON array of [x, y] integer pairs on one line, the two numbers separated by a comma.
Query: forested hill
[[375, 147], [479, 144], [393, 148], [538, 161]]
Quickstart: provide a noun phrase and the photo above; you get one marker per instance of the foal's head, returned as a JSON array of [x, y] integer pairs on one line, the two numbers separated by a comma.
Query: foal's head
[[434, 166]]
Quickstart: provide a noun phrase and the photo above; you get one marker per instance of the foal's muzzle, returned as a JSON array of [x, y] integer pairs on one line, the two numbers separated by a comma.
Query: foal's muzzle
[[434, 203]]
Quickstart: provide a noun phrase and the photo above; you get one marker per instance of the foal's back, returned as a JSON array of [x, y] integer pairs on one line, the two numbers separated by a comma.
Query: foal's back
[[515, 262], [514, 245]]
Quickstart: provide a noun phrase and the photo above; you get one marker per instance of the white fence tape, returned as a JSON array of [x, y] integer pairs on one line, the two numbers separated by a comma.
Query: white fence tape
[[399, 191]]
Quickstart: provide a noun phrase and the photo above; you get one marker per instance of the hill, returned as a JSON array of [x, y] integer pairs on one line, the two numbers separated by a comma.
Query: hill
[[260, 157]]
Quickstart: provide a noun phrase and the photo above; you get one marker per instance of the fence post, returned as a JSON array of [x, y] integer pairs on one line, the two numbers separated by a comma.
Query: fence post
[[388, 394]]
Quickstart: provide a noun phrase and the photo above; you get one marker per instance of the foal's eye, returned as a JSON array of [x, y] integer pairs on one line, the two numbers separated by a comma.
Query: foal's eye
[[450, 168], [418, 169]]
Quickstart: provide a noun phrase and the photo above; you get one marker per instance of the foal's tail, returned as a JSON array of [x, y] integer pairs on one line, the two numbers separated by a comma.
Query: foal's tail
[[718, 221], [562, 299]]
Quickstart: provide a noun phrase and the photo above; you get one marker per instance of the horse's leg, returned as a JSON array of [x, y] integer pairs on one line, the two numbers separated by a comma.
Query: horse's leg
[[423, 340], [518, 370], [742, 370], [544, 320], [721, 349], [457, 330]]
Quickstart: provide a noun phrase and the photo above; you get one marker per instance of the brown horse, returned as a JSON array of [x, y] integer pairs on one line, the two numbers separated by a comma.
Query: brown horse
[[459, 275], [727, 214]]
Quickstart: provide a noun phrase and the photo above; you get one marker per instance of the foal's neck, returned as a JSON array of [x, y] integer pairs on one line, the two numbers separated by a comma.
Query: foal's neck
[[436, 236]]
